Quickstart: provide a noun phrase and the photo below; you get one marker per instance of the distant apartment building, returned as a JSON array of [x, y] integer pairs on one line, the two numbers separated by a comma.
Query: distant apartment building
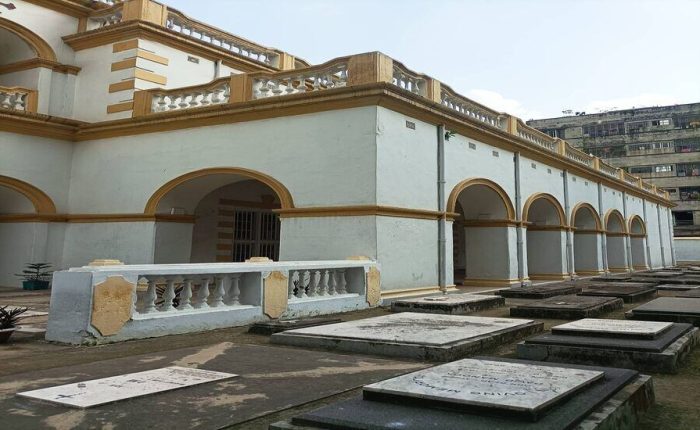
[[661, 144]]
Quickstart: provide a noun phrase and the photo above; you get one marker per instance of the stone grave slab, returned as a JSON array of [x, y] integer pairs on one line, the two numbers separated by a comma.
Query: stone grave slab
[[612, 278], [567, 307], [97, 392], [276, 326], [692, 293], [521, 389], [675, 309], [646, 346], [659, 274], [452, 304], [620, 395], [628, 293], [677, 287], [613, 328], [432, 337], [539, 291]]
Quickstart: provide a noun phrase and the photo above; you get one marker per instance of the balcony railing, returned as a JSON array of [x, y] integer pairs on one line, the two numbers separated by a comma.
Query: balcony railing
[[182, 24], [158, 300], [358, 70], [18, 99]]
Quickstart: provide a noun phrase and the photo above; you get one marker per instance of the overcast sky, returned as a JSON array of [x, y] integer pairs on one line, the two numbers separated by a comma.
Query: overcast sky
[[531, 58]]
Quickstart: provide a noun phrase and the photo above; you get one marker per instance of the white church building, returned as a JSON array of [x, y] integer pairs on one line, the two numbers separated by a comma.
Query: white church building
[[131, 131]]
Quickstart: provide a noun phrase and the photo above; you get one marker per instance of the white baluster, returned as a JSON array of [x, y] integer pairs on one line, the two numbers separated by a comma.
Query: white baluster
[[203, 294], [172, 105], [301, 286], [302, 84], [183, 102], [149, 304], [342, 282], [20, 101], [234, 291], [332, 283], [185, 296], [295, 274], [6, 103], [135, 296], [220, 291], [193, 101], [168, 296], [206, 98], [324, 283], [314, 280]]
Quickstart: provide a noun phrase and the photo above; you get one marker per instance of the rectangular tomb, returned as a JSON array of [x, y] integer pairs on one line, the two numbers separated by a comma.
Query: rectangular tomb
[[473, 385], [108, 390], [567, 307], [674, 309], [628, 293], [539, 291], [423, 336], [641, 345], [452, 304], [490, 393]]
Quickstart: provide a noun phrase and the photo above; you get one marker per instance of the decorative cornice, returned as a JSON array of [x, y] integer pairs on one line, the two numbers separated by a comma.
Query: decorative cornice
[[34, 124], [362, 210], [146, 30], [378, 94], [95, 218], [64, 6], [39, 62]]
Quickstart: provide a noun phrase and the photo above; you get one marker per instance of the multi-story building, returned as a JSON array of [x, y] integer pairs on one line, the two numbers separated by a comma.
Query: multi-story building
[[130, 131], [661, 144]]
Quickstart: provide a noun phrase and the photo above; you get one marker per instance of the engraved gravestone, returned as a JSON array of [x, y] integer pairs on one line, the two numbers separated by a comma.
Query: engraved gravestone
[[517, 388], [614, 328]]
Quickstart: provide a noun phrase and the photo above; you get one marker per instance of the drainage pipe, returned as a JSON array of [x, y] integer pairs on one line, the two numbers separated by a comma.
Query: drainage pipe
[[442, 221], [518, 216], [569, 232]]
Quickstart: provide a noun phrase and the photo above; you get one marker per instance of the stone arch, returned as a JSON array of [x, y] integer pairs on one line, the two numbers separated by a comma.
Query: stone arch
[[41, 201], [546, 224], [457, 190], [549, 198], [282, 192], [613, 215], [42, 49], [591, 210], [637, 226]]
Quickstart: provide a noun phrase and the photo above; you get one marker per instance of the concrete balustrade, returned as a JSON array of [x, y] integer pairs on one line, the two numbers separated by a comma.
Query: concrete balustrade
[[101, 304], [18, 99]]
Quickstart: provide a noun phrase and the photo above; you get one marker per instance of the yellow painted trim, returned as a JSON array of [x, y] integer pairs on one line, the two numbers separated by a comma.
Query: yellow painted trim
[[457, 190], [533, 227], [618, 215], [488, 223], [638, 219], [150, 77], [95, 218], [587, 231], [591, 210], [126, 45], [120, 107], [129, 63], [67, 7], [551, 199], [34, 63], [150, 56], [618, 269], [549, 276], [40, 46], [40, 200], [641, 267], [412, 292], [283, 194], [129, 84], [364, 210], [478, 282]]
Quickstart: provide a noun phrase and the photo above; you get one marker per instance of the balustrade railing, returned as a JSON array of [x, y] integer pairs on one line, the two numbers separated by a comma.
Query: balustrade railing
[[408, 80], [578, 156], [537, 137], [106, 18], [333, 74], [213, 93], [607, 169], [647, 187], [182, 24], [17, 99], [630, 179], [178, 298], [470, 108]]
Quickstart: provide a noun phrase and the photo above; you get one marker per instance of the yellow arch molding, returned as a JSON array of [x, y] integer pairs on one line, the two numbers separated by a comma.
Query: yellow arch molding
[[550, 198], [591, 209], [457, 190], [41, 201], [641, 222], [618, 215], [282, 192], [39, 45]]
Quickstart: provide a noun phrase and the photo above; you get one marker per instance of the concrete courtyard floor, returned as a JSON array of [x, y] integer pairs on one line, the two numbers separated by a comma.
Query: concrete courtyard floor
[[275, 382]]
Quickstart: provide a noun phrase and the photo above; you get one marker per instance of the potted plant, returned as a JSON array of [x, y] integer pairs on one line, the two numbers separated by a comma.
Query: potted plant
[[8, 321], [35, 276]]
